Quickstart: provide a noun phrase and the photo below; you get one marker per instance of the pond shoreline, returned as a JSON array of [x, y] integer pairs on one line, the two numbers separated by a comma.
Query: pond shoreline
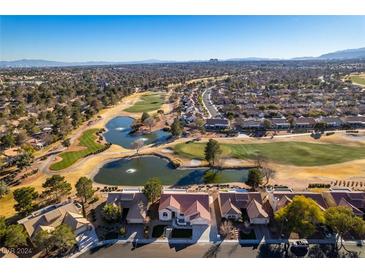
[[173, 168], [119, 131]]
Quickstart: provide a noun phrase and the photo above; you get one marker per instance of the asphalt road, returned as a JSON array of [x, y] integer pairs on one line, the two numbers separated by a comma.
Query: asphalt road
[[206, 99], [226, 250], [163, 250]]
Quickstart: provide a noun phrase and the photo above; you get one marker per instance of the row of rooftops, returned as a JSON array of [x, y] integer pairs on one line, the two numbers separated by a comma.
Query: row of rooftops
[[258, 204], [283, 122], [195, 205], [332, 121]]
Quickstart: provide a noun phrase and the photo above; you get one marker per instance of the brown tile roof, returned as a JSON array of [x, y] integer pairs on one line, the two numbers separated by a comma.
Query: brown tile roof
[[169, 202], [355, 198], [284, 200], [197, 210], [52, 218], [229, 208], [135, 201], [75, 220], [239, 200], [317, 197], [354, 209], [255, 210]]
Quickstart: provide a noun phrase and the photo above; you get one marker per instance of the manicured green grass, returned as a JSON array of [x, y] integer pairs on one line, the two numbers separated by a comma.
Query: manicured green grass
[[358, 80], [196, 150], [148, 102], [87, 140], [292, 153]]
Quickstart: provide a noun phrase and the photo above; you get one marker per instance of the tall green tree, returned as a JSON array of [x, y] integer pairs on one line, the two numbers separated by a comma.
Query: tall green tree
[[255, 178], [342, 220], [24, 160], [62, 239], [212, 152], [15, 236], [59, 241], [66, 142], [42, 239], [7, 140], [176, 128], [300, 216], [24, 198], [152, 189], [56, 187], [85, 191]]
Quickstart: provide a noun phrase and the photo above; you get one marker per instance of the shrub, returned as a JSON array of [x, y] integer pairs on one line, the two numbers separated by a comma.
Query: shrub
[[111, 213], [319, 185], [122, 231]]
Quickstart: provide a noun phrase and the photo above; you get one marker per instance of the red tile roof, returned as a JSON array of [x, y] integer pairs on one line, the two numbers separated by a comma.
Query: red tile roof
[[187, 203]]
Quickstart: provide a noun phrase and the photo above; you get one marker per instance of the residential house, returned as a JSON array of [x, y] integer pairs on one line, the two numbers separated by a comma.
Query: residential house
[[305, 123], [251, 125], [184, 208], [216, 124], [279, 199], [355, 200], [331, 122], [280, 123], [355, 121], [48, 218], [133, 203], [234, 205]]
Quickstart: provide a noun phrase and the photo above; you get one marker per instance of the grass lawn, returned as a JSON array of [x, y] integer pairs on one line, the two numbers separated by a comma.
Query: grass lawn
[[148, 102], [292, 153], [358, 79], [87, 140]]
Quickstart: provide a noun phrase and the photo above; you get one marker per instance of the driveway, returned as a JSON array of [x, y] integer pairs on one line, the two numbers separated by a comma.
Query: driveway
[[262, 232], [215, 217]]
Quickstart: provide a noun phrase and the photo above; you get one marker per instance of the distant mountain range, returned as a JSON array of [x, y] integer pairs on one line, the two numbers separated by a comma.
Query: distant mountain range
[[26, 63]]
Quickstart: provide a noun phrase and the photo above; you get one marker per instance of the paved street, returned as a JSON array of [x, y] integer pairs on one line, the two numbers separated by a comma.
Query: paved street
[[163, 250], [201, 250], [208, 104]]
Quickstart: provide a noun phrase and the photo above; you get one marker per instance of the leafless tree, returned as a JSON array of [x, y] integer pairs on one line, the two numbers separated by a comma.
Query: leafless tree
[[268, 173], [260, 161], [227, 230], [138, 144], [149, 122]]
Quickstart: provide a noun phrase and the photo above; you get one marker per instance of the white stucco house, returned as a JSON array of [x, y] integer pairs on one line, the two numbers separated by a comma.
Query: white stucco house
[[185, 208]]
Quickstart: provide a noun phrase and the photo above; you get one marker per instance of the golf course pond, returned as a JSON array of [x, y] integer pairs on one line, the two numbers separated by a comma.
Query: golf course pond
[[119, 128], [136, 171]]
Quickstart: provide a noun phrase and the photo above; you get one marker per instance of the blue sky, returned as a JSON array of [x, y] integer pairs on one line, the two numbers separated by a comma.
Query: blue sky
[[130, 38]]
